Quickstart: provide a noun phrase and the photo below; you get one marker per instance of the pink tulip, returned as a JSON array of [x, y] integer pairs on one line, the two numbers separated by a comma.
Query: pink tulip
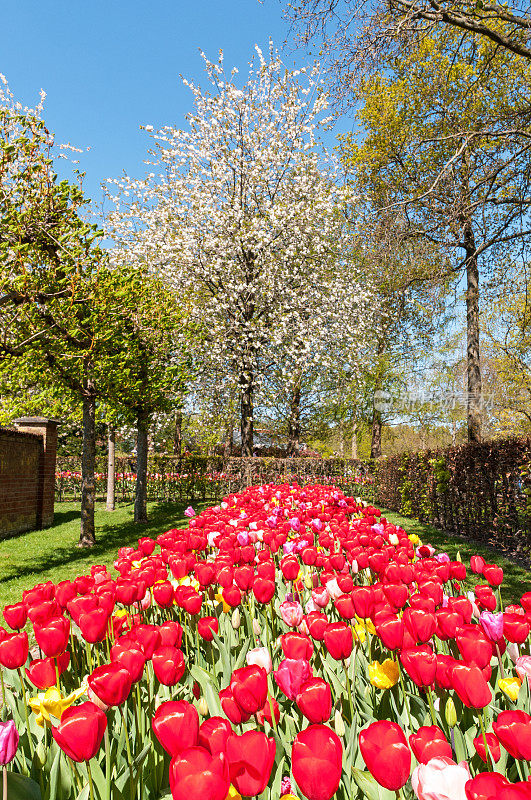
[[260, 656], [291, 674], [291, 612], [523, 668], [440, 779], [189, 512], [8, 741], [492, 624]]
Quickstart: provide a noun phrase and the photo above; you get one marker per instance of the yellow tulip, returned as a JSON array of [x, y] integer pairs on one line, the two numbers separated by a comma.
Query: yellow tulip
[[413, 538], [510, 687], [233, 794], [219, 597], [359, 633], [289, 797], [52, 703], [384, 675]]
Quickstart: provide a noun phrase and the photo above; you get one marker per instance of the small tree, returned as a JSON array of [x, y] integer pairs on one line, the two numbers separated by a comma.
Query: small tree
[[242, 213]]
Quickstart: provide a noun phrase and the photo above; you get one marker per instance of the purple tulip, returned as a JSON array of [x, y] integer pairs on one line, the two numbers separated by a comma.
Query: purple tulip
[[288, 547], [8, 741], [295, 524], [271, 522]]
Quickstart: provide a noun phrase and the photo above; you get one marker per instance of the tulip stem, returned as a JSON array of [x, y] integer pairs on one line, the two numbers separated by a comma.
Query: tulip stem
[[3, 689], [4, 782], [402, 686], [484, 737], [349, 690], [91, 784], [129, 756], [432, 707], [108, 765], [30, 740]]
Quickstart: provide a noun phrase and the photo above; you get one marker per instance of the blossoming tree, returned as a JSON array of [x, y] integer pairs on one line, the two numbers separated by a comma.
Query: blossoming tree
[[244, 215]]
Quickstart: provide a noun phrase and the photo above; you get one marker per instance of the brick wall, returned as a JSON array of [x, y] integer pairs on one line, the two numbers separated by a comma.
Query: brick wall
[[27, 475]]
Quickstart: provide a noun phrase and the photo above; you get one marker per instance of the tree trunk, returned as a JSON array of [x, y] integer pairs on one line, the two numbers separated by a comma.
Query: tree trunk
[[111, 468], [140, 512], [229, 436], [247, 409], [354, 443], [178, 434], [376, 434], [294, 421], [472, 329], [341, 438], [87, 536]]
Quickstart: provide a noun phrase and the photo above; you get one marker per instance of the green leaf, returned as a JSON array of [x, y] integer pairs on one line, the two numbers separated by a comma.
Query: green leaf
[[21, 788]]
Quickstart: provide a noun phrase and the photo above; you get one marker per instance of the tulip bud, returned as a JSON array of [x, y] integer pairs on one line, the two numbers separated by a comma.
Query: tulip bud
[[339, 725], [308, 580], [8, 742], [513, 651], [256, 628], [450, 713], [236, 619], [202, 707], [41, 754], [458, 557]]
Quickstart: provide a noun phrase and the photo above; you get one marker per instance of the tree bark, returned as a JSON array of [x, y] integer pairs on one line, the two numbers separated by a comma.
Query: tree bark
[[354, 443], [140, 510], [247, 409], [87, 536], [111, 468], [376, 434], [472, 328], [178, 434], [294, 421], [229, 435]]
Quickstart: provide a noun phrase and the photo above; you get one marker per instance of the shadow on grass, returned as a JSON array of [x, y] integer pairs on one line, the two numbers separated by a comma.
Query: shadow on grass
[[110, 536]]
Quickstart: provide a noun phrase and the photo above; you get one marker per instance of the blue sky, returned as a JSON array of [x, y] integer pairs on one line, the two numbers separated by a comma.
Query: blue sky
[[109, 67]]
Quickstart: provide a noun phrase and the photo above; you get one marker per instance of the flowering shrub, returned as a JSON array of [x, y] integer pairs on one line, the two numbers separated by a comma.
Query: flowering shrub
[[289, 643]]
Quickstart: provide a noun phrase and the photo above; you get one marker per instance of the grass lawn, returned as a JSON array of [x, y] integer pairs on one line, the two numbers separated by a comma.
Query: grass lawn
[[51, 554], [516, 580]]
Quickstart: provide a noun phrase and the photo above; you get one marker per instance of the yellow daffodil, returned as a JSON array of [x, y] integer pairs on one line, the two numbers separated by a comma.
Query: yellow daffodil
[[510, 687], [384, 675], [359, 633], [52, 703], [233, 794], [413, 538]]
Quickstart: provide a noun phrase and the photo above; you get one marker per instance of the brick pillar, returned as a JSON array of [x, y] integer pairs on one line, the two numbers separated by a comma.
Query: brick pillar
[[46, 428]]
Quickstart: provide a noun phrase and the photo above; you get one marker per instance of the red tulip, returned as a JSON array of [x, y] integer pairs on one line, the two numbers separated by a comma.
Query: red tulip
[[231, 708], [168, 664], [338, 640], [163, 594], [474, 646], [390, 629], [111, 683], [131, 657], [176, 726], [296, 645], [513, 729], [263, 590], [493, 574], [515, 628], [429, 742], [316, 762], [149, 637], [94, 625], [492, 744], [420, 664], [196, 773], [384, 749], [420, 624], [471, 686], [251, 757], [42, 672], [52, 637], [206, 626], [14, 650], [249, 688], [80, 731], [171, 632], [16, 616], [315, 700], [213, 734], [486, 786]]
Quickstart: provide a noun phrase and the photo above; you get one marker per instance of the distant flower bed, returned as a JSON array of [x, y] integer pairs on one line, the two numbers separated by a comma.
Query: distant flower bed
[[288, 643]]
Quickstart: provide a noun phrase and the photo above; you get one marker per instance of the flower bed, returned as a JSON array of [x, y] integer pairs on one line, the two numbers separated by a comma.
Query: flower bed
[[289, 643]]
